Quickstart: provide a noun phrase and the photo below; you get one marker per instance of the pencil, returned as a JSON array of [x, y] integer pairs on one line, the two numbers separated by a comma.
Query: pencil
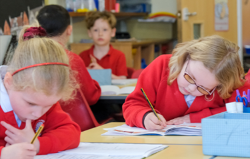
[[37, 133], [151, 106]]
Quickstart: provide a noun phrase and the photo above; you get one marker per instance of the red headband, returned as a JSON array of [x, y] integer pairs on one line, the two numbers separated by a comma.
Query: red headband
[[40, 64], [34, 31]]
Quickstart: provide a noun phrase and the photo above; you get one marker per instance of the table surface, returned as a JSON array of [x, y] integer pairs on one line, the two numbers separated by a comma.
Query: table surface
[[179, 147], [94, 135]]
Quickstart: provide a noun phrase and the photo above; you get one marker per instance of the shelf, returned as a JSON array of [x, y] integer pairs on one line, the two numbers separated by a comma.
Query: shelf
[[144, 49], [246, 55], [121, 14]]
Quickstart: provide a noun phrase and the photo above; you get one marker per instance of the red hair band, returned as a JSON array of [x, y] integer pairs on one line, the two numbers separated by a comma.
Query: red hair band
[[34, 31], [40, 64]]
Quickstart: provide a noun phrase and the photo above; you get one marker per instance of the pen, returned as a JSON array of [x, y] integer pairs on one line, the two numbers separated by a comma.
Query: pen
[[37, 133], [248, 97], [151, 106], [244, 94], [238, 92]]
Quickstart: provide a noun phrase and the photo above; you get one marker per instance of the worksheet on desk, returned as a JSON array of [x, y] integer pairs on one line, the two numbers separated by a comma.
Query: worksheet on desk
[[107, 151], [62, 156]]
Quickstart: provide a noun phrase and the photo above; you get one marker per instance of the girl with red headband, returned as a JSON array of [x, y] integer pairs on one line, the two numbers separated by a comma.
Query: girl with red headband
[[31, 86]]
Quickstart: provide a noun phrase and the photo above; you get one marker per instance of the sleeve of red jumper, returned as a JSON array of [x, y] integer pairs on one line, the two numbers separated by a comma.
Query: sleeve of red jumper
[[1, 147], [121, 66], [59, 133], [85, 57], [196, 117], [90, 88], [136, 105]]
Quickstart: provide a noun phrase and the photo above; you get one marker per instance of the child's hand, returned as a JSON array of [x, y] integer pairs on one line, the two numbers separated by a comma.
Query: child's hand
[[179, 120], [151, 122], [92, 59], [94, 66], [18, 136], [20, 151]]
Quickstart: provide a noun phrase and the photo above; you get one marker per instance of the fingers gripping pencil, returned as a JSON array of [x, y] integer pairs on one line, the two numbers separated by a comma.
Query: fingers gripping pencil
[[151, 106], [37, 133]]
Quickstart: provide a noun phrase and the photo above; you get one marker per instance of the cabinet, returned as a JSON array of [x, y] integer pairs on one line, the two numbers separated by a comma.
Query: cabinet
[[142, 49], [134, 50]]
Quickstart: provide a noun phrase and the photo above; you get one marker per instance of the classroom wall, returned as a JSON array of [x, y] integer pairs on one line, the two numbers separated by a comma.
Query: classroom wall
[[160, 30], [164, 6], [138, 30], [245, 22], [144, 30], [59, 2], [79, 29]]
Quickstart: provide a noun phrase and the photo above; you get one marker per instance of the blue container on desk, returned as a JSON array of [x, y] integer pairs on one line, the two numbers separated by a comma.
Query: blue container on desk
[[246, 109], [226, 134]]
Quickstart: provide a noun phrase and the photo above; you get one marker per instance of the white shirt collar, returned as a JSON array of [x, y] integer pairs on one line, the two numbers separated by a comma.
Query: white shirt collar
[[4, 97], [5, 100]]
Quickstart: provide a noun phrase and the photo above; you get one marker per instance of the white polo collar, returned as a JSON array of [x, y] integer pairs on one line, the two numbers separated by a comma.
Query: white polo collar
[[4, 97]]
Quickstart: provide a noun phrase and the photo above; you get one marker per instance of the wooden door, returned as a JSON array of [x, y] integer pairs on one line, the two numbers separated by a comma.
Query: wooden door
[[203, 22]]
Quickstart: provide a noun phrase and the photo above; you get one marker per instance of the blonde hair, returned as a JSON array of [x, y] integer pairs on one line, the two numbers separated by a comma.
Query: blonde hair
[[49, 79], [218, 55], [91, 17]]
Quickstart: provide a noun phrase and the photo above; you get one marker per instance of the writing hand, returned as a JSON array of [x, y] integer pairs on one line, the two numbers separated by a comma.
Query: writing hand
[[15, 135], [20, 151], [151, 122]]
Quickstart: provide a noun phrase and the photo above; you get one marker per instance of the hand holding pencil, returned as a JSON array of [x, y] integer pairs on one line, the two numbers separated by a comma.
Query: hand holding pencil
[[14, 135], [153, 121]]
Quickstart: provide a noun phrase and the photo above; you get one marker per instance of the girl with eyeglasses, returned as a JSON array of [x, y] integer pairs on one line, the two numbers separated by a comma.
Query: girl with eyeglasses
[[192, 83]]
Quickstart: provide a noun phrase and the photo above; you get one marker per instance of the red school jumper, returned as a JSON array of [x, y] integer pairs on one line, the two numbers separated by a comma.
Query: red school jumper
[[114, 59], [88, 86], [59, 132], [168, 100]]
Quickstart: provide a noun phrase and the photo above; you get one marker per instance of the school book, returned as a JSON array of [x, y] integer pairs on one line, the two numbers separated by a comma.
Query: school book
[[123, 81], [187, 129], [115, 90], [114, 150]]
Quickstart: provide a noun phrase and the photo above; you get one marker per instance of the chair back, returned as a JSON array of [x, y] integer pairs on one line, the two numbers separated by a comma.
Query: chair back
[[130, 71], [80, 112], [137, 73]]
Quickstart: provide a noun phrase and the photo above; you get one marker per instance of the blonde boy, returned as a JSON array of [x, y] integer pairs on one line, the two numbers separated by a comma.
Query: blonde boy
[[101, 28]]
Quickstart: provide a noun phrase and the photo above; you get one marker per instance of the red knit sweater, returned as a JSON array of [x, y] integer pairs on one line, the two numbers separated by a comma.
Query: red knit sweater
[[59, 133], [88, 86], [167, 99]]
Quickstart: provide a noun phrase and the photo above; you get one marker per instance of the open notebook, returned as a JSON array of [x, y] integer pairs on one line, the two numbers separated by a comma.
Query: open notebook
[[107, 151], [115, 90], [123, 81], [188, 129]]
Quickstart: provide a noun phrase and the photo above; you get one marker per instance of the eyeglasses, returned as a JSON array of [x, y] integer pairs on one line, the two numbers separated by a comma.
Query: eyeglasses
[[192, 81]]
